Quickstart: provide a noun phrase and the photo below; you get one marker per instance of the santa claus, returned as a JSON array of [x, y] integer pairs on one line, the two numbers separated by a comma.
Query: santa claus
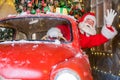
[[87, 27], [87, 30]]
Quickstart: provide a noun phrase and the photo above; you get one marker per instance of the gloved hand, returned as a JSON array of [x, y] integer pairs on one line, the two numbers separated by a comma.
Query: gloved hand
[[110, 17], [54, 32]]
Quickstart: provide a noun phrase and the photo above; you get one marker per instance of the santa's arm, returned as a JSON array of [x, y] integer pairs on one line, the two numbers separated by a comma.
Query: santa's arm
[[99, 39]]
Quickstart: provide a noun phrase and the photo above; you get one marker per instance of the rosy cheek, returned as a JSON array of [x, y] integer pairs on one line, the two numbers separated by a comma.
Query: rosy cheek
[[91, 24]]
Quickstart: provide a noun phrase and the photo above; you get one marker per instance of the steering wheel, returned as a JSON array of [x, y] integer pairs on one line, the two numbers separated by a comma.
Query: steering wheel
[[46, 37]]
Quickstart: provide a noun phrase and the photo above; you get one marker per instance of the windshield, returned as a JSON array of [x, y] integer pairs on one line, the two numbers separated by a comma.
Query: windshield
[[34, 28]]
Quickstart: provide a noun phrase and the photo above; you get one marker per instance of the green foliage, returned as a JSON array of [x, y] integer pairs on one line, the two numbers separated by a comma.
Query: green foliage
[[6, 33]]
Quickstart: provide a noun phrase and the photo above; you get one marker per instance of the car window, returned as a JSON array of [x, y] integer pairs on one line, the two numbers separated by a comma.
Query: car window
[[6, 34], [34, 28]]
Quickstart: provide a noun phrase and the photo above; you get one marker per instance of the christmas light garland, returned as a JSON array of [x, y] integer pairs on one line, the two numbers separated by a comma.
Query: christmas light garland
[[56, 6]]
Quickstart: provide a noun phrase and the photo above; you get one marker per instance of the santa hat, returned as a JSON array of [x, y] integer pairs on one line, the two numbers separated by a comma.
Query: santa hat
[[89, 15]]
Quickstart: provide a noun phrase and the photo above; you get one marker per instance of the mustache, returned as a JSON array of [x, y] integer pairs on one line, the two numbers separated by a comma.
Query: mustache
[[88, 26]]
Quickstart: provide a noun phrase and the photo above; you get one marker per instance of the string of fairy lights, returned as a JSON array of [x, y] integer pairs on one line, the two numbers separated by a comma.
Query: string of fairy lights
[[96, 67], [68, 7], [119, 22]]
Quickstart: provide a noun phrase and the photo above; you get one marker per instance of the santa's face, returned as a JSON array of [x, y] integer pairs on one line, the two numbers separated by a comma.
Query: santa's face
[[90, 22], [87, 26]]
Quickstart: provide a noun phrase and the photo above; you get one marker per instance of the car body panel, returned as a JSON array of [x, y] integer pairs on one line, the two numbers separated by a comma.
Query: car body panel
[[41, 59], [41, 56]]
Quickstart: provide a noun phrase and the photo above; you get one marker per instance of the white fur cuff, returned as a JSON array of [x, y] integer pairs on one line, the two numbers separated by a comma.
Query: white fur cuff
[[107, 33]]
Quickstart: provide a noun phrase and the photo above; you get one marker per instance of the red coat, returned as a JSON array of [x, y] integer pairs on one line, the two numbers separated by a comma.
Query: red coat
[[92, 41]]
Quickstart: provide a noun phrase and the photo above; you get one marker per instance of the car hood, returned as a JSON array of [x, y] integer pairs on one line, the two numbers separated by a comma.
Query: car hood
[[19, 59]]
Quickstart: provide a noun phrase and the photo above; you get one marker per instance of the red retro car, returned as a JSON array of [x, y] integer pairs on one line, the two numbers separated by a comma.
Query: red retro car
[[24, 55]]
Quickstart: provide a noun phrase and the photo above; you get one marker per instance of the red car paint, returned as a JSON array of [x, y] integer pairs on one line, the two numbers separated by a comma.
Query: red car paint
[[42, 60]]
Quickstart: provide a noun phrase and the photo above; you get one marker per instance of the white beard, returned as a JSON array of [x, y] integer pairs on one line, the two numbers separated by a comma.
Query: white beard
[[88, 29]]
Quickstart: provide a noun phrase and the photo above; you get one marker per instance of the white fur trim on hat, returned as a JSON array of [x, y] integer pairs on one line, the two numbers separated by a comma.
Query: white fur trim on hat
[[91, 17], [107, 33]]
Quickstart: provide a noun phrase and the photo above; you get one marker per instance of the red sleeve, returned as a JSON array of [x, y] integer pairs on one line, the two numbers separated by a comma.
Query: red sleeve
[[92, 41]]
